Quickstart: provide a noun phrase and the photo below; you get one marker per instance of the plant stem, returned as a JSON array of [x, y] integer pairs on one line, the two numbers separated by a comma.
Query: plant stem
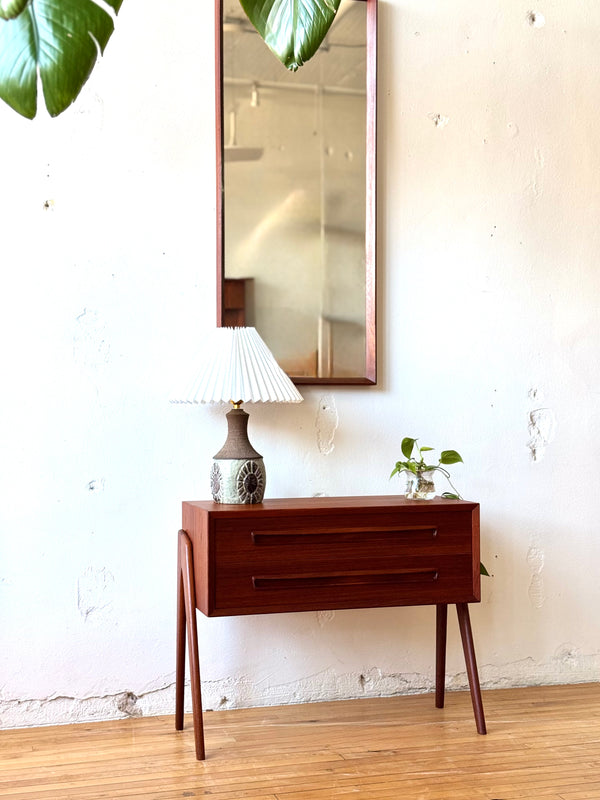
[[447, 474]]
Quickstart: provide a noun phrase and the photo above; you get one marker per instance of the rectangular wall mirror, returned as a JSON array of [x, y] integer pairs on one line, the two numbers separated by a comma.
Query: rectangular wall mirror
[[296, 195]]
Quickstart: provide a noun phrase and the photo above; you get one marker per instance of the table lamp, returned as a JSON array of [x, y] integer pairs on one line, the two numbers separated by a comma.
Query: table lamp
[[240, 369]]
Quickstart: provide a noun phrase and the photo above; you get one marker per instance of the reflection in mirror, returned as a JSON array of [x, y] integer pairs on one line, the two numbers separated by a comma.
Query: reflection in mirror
[[297, 185]]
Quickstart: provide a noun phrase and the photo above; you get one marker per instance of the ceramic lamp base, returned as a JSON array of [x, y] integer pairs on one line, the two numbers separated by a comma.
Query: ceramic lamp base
[[238, 472], [238, 480]]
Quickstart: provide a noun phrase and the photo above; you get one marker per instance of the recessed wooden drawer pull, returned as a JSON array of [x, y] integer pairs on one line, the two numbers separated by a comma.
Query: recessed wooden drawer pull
[[344, 579], [321, 536]]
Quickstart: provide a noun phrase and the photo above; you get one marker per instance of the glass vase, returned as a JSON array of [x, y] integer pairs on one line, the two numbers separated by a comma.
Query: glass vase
[[420, 485]]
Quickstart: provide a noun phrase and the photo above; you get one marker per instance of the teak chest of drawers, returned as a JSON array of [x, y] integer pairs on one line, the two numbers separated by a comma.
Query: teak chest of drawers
[[313, 554]]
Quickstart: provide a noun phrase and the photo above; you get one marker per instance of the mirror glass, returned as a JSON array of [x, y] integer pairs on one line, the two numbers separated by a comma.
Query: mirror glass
[[296, 195]]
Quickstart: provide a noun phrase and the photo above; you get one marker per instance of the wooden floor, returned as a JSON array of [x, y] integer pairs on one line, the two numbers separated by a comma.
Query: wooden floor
[[542, 744]]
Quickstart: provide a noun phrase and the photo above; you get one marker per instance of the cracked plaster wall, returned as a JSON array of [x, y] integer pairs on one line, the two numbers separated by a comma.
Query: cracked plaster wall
[[488, 343]]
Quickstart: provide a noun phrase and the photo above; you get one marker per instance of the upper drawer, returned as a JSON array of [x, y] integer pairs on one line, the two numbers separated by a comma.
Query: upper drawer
[[355, 535]]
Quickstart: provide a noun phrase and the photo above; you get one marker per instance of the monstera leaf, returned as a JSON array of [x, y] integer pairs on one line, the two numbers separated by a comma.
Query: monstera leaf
[[58, 38], [293, 29]]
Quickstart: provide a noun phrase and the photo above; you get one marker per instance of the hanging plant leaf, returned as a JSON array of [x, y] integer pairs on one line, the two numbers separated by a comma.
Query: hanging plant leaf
[[293, 29], [9, 9], [61, 39]]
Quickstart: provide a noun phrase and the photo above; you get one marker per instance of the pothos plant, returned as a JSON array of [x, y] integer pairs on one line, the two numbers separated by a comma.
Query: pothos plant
[[58, 42], [417, 466]]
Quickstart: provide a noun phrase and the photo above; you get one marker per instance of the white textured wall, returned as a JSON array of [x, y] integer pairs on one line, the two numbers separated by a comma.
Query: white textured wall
[[489, 153]]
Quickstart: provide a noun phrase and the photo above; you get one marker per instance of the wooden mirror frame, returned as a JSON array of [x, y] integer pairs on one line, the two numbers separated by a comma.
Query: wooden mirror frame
[[370, 376]]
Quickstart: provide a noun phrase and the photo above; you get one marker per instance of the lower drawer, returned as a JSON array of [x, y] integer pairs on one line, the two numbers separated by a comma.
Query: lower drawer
[[414, 580]]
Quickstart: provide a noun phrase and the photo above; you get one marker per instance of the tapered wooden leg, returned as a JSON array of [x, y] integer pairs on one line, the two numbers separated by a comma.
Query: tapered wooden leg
[[180, 652], [441, 627], [464, 622], [189, 605]]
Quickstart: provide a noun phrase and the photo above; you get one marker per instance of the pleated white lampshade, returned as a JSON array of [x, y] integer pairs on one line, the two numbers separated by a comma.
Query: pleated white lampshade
[[240, 368]]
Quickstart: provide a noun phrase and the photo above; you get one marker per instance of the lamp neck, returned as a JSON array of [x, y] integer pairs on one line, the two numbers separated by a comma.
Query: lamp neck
[[237, 444]]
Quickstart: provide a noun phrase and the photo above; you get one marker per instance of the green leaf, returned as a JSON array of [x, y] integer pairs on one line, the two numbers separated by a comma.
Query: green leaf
[[450, 457], [425, 449], [293, 29], [450, 496], [483, 570], [403, 466], [59, 38], [407, 446]]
